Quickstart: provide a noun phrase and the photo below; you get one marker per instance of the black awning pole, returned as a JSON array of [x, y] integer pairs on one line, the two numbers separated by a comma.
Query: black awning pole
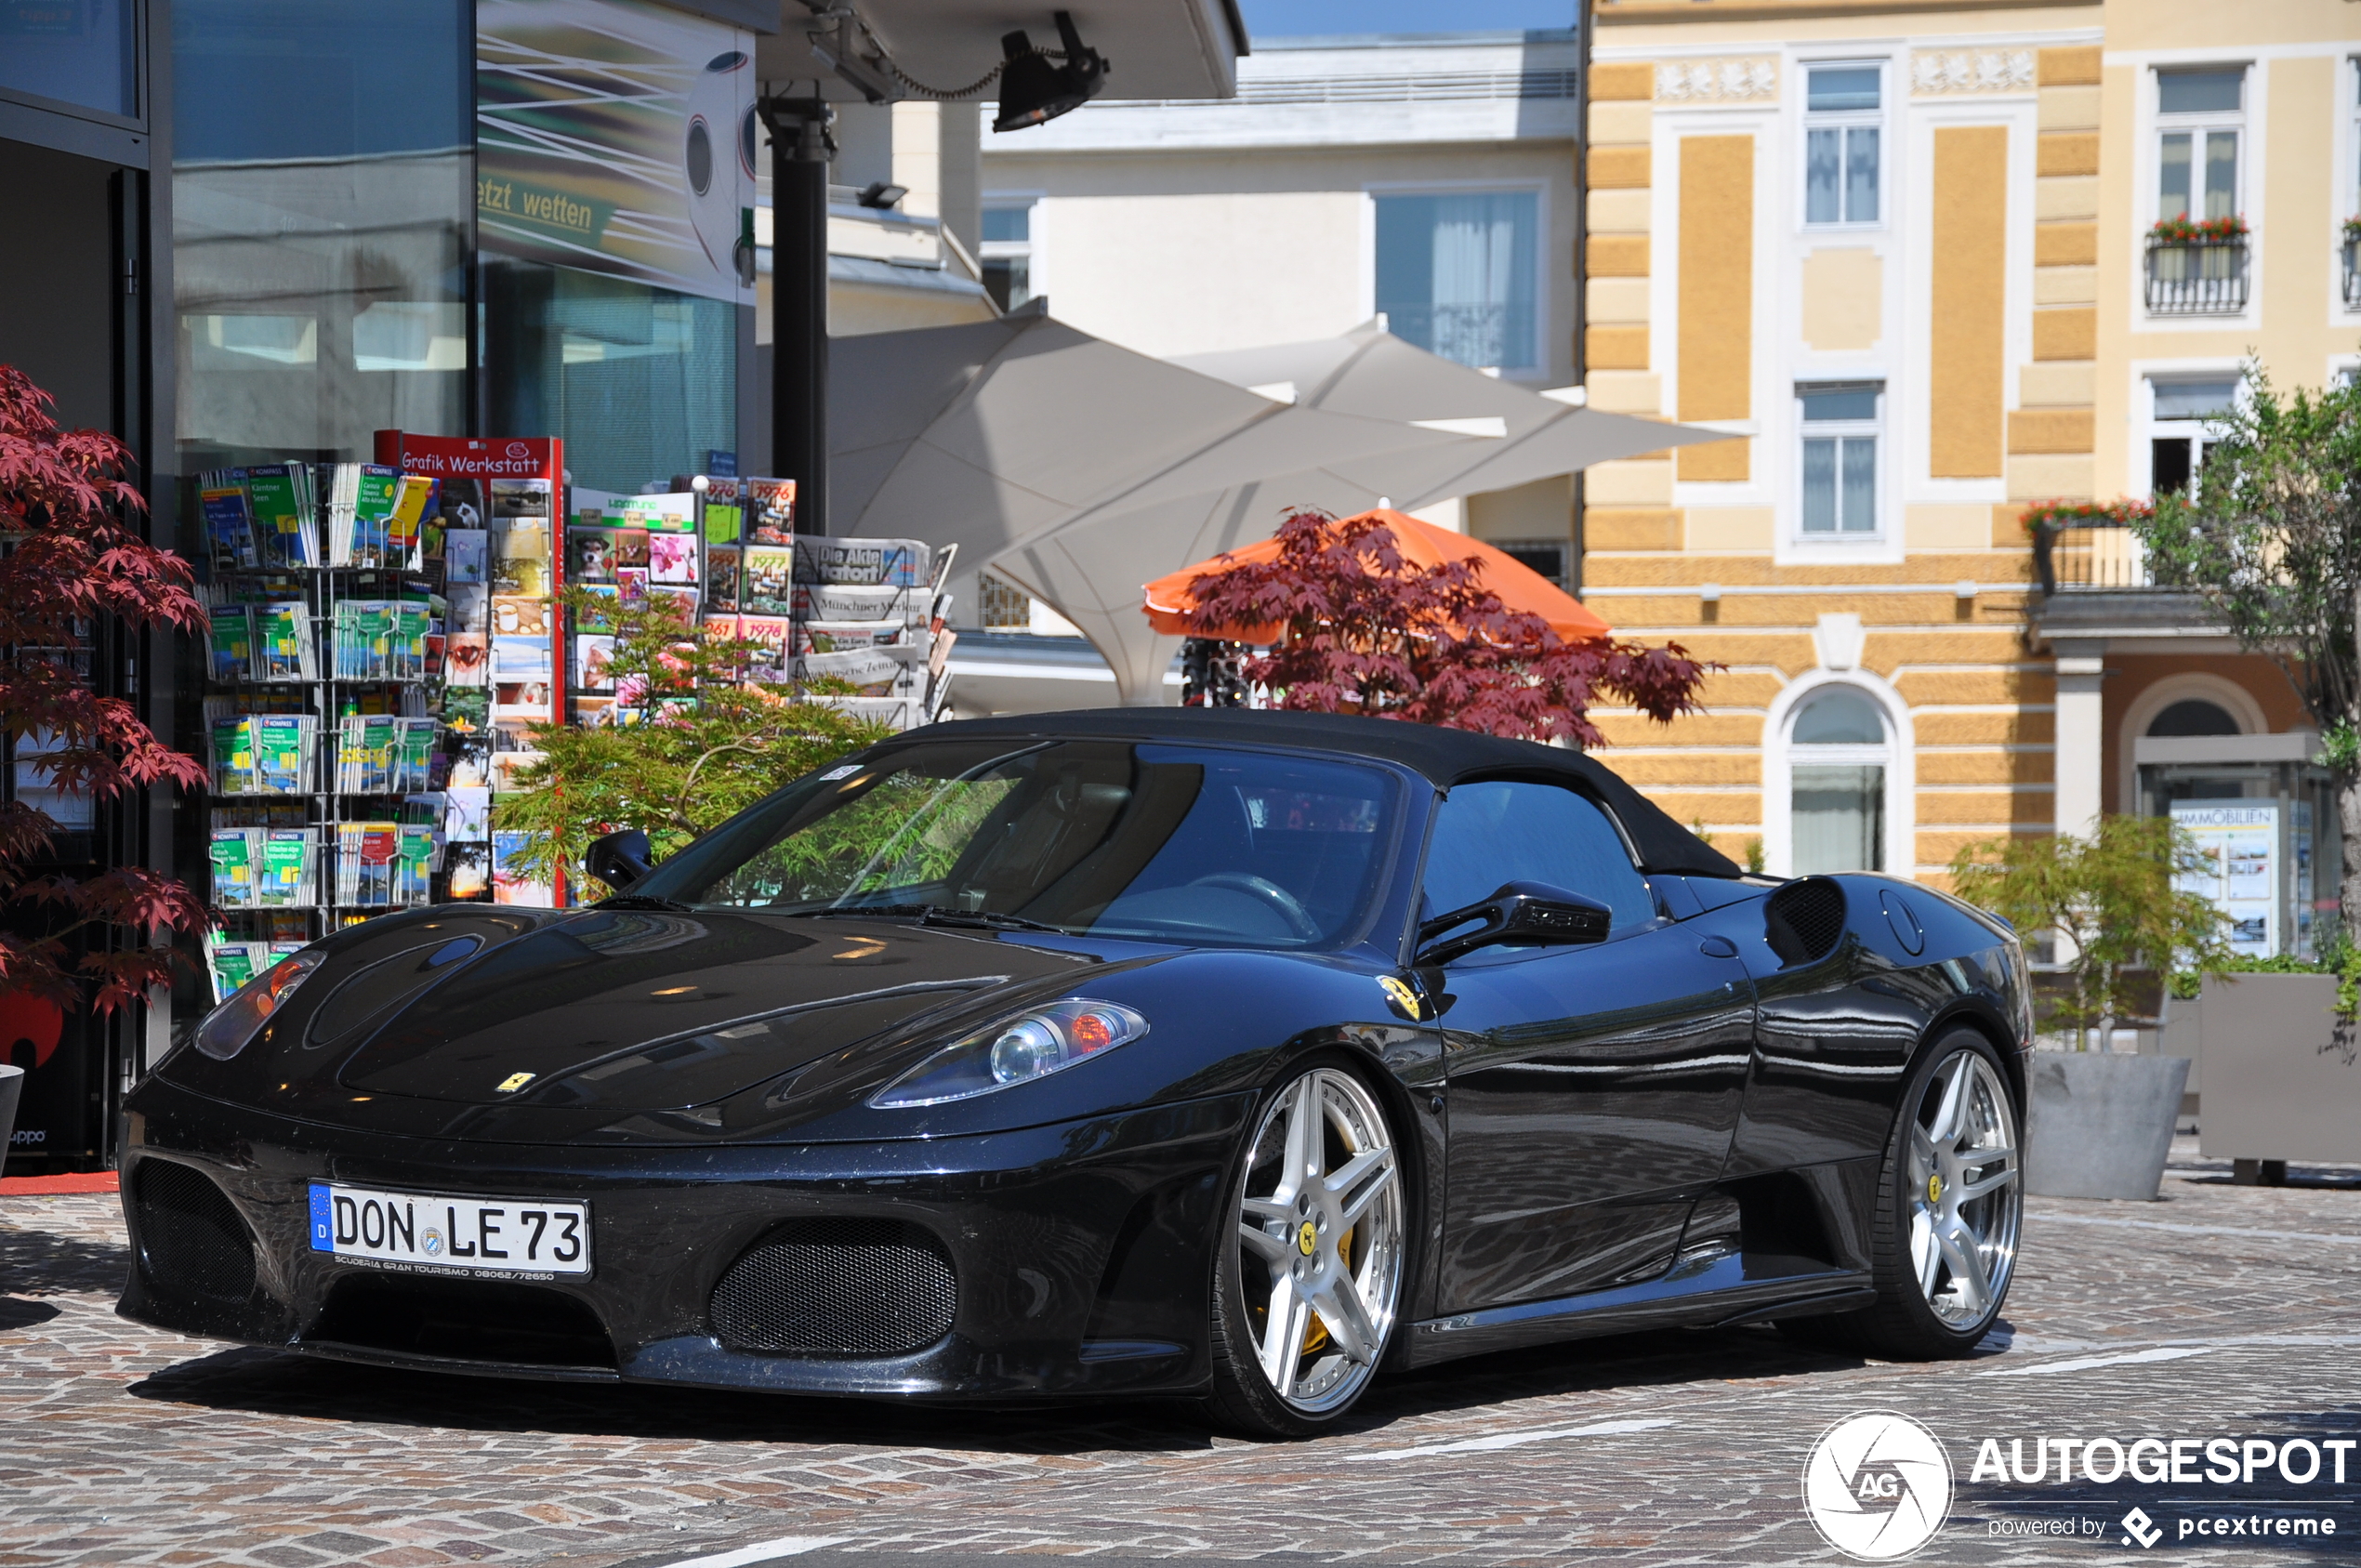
[[800, 147]]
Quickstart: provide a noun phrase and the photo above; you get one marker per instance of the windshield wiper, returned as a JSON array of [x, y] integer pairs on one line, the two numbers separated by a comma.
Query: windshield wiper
[[941, 914], [644, 901]]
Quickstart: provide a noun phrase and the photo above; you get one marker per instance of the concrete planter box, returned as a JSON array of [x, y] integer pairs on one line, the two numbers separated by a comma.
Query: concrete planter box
[[11, 1085], [2100, 1125], [2281, 1081]]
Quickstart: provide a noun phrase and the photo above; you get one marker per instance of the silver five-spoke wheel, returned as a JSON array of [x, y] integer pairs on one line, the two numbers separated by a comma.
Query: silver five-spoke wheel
[[1320, 1238], [1964, 1197]]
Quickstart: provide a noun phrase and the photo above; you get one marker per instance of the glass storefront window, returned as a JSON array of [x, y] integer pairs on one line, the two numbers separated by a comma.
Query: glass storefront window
[[2269, 833], [639, 381], [82, 52], [323, 199]]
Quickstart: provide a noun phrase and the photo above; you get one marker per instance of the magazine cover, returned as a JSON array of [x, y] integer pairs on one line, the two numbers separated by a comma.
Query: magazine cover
[[469, 867], [724, 512], [597, 616], [467, 608], [521, 498], [770, 580], [769, 663], [509, 885], [520, 658], [228, 518], [232, 644], [591, 655], [873, 672], [466, 710], [470, 762], [467, 658], [721, 564], [901, 563], [672, 558], [860, 601], [589, 556], [770, 514], [468, 815], [517, 616]]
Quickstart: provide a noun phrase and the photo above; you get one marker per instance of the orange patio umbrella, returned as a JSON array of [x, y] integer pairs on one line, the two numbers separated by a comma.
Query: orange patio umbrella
[[1421, 544]]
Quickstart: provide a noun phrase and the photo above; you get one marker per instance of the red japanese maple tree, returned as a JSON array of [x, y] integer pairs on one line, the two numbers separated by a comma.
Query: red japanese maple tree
[[71, 562], [1369, 632]]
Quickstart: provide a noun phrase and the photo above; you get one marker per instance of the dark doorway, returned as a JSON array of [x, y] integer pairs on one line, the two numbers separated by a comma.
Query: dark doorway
[[59, 322]]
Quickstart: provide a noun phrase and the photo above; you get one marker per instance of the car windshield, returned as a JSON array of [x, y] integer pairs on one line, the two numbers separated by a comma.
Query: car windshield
[[1170, 843]]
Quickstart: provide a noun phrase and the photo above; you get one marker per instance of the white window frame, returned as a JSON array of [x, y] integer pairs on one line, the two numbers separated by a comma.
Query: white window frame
[[2197, 126], [1841, 120], [1873, 429], [1779, 761], [1027, 250], [2155, 429], [1543, 291]]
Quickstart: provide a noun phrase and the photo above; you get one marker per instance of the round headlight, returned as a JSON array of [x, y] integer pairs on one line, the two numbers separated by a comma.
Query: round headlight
[[1028, 1048]]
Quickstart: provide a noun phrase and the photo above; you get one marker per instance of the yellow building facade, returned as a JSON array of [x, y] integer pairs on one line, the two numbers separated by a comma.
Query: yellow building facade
[[1906, 255]]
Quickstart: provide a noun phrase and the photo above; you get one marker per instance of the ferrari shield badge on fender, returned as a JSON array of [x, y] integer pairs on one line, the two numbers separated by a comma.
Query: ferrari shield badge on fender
[[1401, 997], [514, 1082]]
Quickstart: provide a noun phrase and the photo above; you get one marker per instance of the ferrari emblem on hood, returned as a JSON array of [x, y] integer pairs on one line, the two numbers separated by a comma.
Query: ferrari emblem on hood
[[514, 1082]]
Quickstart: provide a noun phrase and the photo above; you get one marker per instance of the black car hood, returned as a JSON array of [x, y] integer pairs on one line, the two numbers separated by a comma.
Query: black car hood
[[540, 1025]]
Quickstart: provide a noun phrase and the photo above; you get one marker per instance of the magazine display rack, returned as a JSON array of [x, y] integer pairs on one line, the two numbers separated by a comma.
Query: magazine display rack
[[386, 635], [323, 702]]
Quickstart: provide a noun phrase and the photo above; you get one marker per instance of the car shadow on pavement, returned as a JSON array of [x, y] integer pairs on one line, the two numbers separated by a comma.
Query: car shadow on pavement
[[44, 1263], [272, 1382]]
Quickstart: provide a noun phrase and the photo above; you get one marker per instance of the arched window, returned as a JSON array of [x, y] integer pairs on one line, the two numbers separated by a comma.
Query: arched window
[[2193, 715], [1840, 754]]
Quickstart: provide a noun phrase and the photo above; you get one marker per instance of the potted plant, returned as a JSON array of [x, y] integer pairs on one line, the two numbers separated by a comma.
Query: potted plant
[[2100, 1125]]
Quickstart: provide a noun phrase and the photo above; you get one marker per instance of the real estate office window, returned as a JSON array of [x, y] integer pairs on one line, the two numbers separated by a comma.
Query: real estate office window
[[1843, 122], [2200, 120], [1840, 427]]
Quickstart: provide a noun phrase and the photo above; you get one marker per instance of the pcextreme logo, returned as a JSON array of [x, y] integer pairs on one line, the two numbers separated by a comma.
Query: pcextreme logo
[[1878, 1486]]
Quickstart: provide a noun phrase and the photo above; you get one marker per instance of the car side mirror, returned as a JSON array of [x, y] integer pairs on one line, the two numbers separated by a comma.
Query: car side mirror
[[620, 858], [1516, 912]]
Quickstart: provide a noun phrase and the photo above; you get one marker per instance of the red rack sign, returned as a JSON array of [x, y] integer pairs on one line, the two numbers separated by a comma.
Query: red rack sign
[[471, 456]]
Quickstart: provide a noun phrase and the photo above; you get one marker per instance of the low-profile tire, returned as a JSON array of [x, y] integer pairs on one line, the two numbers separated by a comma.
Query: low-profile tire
[[1310, 1260], [1950, 1204]]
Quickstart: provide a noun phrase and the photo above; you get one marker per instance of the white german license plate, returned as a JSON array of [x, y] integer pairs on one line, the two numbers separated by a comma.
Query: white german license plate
[[485, 1235]]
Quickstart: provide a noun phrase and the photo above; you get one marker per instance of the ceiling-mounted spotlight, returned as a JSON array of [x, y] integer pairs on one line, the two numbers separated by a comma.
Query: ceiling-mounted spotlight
[[1033, 90]]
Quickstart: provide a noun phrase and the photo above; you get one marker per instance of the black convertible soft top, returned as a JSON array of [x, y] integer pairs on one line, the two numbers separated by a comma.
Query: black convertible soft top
[[1445, 756]]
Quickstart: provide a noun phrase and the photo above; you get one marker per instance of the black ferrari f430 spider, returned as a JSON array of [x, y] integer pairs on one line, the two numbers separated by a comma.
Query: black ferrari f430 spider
[[1234, 1057]]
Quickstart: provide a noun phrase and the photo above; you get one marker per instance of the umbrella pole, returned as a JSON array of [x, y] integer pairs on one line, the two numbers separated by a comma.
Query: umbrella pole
[[800, 147]]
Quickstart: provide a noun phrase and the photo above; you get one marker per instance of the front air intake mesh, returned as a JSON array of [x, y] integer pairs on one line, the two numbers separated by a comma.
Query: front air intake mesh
[[838, 1288], [190, 1235], [1804, 922]]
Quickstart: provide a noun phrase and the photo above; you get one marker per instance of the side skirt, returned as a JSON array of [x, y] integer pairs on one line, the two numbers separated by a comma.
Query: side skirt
[[1730, 1289]]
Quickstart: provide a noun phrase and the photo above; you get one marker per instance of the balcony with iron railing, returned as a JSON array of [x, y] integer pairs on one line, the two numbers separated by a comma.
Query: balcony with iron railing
[[2082, 557], [2197, 268], [2094, 581]]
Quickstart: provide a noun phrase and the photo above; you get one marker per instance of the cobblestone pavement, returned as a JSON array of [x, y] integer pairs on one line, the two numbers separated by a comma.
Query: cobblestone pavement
[[2220, 1310]]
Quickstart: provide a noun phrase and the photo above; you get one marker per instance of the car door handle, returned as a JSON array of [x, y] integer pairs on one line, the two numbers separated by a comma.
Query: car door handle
[[1718, 947]]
